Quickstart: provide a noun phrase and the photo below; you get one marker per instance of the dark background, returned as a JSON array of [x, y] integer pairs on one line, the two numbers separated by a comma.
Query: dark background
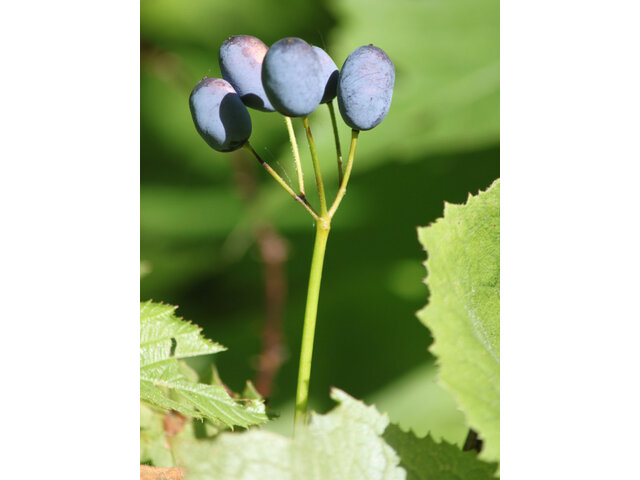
[[204, 213]]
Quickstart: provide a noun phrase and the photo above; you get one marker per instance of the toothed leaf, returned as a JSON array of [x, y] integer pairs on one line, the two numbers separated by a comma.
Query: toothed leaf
[[164, 339], [344, 443], [426, 459], [463, 313]]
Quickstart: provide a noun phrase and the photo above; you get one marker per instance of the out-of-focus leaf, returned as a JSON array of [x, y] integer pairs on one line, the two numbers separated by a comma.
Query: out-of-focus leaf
[[345, 443], [188, 213], [154, 448], [446, 54], [418, 402], [209, 22]]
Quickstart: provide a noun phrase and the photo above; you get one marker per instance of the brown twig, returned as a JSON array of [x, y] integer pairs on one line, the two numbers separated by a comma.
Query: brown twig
[[273, 251], [160, 473], [173, 423], [273, 254]]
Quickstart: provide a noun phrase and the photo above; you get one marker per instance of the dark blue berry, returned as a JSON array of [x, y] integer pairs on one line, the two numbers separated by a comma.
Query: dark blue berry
[[292, 77], [241, 65], [365, 87], [219, 115], [329, 75]]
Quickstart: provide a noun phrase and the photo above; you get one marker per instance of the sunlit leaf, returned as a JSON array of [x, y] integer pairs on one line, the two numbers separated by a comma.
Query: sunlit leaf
[[164, 339], [463, 313], [345, 443]]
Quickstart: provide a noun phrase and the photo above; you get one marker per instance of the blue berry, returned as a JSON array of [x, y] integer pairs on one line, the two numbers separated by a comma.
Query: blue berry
[[329, 75], [240, 60], [219, 115], [365, 87], [292, 77]]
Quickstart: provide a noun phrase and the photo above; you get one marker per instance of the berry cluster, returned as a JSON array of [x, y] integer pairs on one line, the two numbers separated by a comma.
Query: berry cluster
[[292, 78]]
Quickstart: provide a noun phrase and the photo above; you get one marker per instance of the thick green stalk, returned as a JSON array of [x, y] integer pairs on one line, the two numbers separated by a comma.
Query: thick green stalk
[[313, 294]]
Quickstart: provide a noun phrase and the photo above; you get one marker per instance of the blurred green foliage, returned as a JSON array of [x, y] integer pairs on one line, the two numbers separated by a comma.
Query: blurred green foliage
[[439, 142]]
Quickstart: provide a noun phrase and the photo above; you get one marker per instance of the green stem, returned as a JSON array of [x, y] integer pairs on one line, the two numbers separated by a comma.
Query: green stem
[[296, 154], [300, 199], [347, 174], [316, 167], [323, 227], [337, 137], [306, 351]]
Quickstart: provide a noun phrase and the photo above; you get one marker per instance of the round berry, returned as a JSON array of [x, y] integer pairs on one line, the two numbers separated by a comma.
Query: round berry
[[292, 77], [240, 60], [219, 115], [365, 87], [329, 75]]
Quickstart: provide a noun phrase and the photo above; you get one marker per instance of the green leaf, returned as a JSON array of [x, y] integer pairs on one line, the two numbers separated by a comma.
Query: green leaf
[[164, 339], [463, 314], [345, 443], [425, 459], [404, 400]]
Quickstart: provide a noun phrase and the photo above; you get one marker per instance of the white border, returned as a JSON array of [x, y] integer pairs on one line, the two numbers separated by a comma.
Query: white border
[[69, 259], [570, 239]]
